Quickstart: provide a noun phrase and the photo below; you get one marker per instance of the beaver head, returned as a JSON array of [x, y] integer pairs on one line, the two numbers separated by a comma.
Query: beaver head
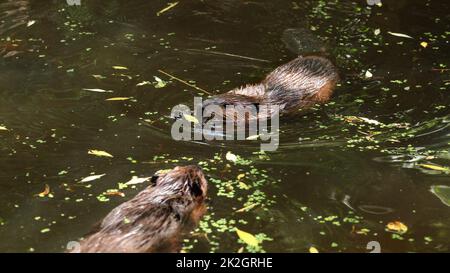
[[183, 180], [156, 219]]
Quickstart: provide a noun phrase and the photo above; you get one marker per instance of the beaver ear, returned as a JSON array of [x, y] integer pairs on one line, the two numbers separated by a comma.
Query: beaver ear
[[154, 179], [196, 188]]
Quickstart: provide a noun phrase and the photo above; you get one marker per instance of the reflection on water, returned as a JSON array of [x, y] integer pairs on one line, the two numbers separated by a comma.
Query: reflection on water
[[342, 173]]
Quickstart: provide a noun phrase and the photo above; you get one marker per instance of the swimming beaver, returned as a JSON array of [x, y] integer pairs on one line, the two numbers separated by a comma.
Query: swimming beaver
[[293, 86], [156, 218]]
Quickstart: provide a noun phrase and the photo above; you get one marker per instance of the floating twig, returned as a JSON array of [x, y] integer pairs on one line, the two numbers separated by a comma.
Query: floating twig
[[183, 81], [169, 6], [229, 55]]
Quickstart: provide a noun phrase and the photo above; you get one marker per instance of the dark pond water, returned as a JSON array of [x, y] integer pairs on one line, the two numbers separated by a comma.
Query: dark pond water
[[342, 173]]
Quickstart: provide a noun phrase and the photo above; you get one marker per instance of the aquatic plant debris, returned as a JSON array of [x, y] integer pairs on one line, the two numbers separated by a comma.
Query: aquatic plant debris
[[45, 192], [183, 82], [137, 180], [400, 35], [231, 157], [118, 67], [98, 90], [191, 118], [92, 178], [118, 99], [313, 250], [397, 227], [159, 82], [248, 238], [169, 6], [99, 153], [435, 167]]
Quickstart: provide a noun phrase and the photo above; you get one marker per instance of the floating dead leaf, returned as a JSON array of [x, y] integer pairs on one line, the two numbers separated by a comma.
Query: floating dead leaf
[[247, 208], [368, 74], [247, 237], [118, 67], [397, 227], [144, 83], [231, 157], [114, 193], [254, 137], [45, 192], [354, 119], [92, 178], [99, 77], [169, 6], [435, 167], [240, 176], [159, 82], [98, 90], [30, 23], [191, 118], [400, 35], [136, 180], [99, 153], [118, 99], [3, 128], [243, 186], [11, 53], [313, 250], [424, 44]]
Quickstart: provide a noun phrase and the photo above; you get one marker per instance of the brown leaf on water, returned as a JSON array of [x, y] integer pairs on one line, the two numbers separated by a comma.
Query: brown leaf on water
[[397, 227], [115, 193], [45, 192]]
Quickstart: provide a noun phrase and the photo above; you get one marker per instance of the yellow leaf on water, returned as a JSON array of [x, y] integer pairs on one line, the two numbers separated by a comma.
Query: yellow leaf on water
[[313, 250], [99, 153], [247, 208], [3, 128], [247, 237], [190, 118], [244, 186], [118, 99], [169, 6], [435, 167], [424, 44], [117, 67], [397, 226]]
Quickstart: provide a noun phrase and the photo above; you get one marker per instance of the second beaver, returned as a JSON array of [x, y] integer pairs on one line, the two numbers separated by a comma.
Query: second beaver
[[293, 86], [154, 220]]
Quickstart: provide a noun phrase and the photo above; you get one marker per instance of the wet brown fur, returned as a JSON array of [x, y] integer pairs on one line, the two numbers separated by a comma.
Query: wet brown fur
[[294, 86], [156, 219]]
